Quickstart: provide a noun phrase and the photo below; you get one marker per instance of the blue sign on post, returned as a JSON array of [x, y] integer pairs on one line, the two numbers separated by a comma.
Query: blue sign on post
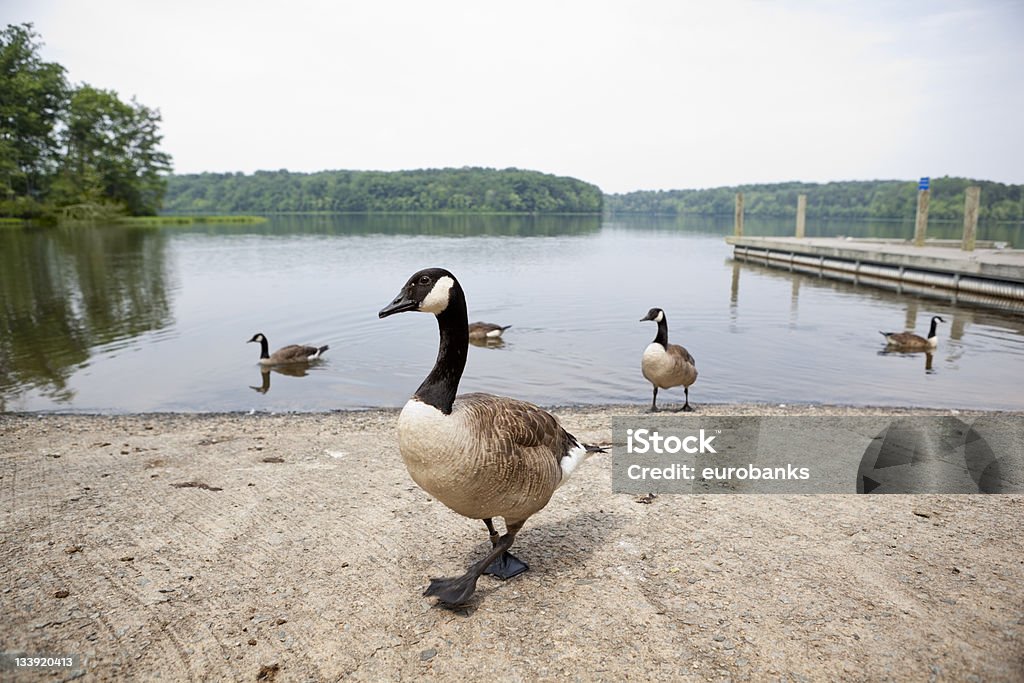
[[923, 184]]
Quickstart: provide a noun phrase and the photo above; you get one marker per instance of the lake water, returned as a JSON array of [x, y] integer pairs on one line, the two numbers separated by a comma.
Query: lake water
[[114, 319]]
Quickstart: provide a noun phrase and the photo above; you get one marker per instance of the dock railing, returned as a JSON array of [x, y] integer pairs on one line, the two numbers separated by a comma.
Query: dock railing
[[972, 201]]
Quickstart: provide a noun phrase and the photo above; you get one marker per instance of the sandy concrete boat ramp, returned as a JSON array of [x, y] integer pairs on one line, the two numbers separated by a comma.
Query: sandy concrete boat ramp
[[296, 548]]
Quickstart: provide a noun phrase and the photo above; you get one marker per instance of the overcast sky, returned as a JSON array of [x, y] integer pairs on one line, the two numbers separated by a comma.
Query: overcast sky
[[631, 94]]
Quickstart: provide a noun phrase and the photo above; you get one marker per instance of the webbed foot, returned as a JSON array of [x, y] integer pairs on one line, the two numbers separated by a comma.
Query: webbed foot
[[452, 591], [506, 566]]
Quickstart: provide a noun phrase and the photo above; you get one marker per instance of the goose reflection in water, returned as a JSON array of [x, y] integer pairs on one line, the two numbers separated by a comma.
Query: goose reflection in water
[[488, 342], [298, 370], [928, 357]]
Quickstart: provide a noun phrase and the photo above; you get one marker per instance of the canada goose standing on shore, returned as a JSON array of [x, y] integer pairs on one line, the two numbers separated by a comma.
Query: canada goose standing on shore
[[481, 455], [909, 341], [293, 353], [667, 365]]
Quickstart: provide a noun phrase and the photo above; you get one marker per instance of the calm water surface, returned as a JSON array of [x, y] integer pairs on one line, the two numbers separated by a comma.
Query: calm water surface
[[112, 319]]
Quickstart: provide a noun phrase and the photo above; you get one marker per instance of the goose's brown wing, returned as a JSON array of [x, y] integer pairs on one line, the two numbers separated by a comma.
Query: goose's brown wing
[[293, 353], [679, 352], [516, 429], [685, 368], [906, 339]]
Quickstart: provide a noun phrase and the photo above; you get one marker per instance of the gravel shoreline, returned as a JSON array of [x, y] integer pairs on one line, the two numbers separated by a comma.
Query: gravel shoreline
[[294, 546]]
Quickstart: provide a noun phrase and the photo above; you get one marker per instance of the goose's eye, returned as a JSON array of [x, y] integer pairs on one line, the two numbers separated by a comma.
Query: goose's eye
[[424, 279]]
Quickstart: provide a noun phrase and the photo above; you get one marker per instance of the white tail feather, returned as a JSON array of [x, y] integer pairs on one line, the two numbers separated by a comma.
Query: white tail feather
[[571, 460]]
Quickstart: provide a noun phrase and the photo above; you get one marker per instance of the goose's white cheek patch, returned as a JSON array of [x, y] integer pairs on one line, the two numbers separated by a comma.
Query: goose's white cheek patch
[[437, 300]]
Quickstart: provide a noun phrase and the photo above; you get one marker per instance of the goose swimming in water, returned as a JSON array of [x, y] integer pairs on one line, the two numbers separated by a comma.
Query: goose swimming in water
[[479, 331], [293, 353], [481, 455], [667, 365], [908, 341]]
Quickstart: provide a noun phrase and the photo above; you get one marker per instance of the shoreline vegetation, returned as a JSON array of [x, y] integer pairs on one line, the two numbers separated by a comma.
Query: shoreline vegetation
[[462, 190], [177, 219], [849, 199], [242, 198], [163, 220], [520, 192]]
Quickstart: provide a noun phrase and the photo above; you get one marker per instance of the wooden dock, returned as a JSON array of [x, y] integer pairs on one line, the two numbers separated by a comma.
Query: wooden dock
[[988, 275]]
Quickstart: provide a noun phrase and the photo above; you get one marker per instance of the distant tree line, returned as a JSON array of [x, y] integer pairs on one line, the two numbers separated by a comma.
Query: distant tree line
[[68, 150], [448, 189], [895, 199]]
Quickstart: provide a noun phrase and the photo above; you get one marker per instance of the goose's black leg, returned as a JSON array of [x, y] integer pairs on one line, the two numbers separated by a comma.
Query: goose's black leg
[[654, 401], [507, 565], [491, 531], [455, 591], [686, 406]]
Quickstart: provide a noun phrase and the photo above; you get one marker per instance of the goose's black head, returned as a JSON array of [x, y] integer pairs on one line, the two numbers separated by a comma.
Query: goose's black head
[[935, 317], [430, 290], [258, 337], [655, 314]]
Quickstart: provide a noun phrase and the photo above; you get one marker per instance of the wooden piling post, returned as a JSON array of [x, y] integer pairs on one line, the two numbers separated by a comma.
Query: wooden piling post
[[734, 291], [801, 214], [972, 198], [738, 226], [921, 225], [910, 316]]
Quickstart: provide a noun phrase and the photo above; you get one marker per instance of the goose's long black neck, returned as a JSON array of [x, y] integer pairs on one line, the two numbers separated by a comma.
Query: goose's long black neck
[[662, 336], [931, 330], [442, 384], [264, 348]]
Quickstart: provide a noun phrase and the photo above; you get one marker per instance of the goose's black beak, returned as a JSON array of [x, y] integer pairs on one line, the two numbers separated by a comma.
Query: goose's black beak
[[401, 304]]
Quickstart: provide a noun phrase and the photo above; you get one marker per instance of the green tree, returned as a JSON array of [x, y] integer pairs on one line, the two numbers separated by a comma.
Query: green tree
[[33, 96], [111, 152], [63, 146]]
